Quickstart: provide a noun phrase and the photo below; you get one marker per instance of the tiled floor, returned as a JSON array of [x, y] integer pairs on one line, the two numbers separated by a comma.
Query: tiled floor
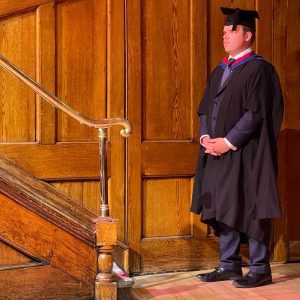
[[184, 285]]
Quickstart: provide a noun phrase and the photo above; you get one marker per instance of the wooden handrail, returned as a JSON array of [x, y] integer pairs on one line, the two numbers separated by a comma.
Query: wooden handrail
[[56, 102]]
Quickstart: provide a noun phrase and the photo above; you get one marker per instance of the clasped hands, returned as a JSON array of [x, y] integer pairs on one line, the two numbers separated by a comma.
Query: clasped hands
[[216, 146]]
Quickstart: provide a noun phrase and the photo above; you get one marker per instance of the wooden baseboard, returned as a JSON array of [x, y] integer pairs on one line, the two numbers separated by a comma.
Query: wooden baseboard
[[121, 256], [294, 251]]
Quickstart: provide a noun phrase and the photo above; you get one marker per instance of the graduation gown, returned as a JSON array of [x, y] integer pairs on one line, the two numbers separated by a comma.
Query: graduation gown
[[239, 188]]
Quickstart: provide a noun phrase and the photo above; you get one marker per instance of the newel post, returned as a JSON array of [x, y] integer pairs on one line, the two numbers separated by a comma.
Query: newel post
[[106, 239]]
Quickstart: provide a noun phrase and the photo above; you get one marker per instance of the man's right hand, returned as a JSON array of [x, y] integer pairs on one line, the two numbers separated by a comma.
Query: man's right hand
[[208, 144]]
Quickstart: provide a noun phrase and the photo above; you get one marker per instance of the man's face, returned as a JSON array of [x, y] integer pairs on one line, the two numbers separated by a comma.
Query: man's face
[[235, 41]]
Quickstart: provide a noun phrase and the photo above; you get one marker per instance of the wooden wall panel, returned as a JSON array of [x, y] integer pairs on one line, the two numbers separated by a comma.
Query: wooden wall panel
[[78, 80], [12, 257], [46, 114], [280, 252], [166, 207], [17, 43], [292, 66], [116, 92], [85, 192], [166, 70], [42, 282], [264, 36], [11, 7], [293, 121]]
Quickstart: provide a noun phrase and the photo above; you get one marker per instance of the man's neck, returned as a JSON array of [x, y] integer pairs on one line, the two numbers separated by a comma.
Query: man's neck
[[241, 53]]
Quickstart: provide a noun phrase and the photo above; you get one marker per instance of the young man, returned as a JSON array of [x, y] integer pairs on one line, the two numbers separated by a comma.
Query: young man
[[235, 182]]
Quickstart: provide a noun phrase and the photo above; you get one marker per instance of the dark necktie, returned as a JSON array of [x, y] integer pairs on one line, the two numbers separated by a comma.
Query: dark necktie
[[227, 71]]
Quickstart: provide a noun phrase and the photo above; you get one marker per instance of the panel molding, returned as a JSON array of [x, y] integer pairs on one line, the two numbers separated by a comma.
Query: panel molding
[[45, 69], [9, 7], [184, 253], [169, 159], [116, 108], [57, 162]]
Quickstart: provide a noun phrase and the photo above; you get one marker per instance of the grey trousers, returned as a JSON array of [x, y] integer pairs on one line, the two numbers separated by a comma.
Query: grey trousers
[[230, 259]]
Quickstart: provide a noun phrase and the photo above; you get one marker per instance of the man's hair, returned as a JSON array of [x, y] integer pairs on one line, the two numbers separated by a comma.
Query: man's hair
[[246, 29]]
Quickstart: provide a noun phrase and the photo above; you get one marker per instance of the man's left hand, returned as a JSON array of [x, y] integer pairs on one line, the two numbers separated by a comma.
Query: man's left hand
[[218, 146]]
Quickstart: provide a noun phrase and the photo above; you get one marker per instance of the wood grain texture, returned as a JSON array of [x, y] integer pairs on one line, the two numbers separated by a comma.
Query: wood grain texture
[[166, 89], [134, 110], [12, 257], [166, 207], [292, 66], [17, 121], [8, 7], [116, 108], [292, 177], [179, 254], [280, 242], [86, 193], [165, 159], [264, 28], [56, 162], [78, 81], [168, 63], [46, 240], [199, 58], [44, 282], [280, 47], [46, 201], [279, 238], [45, 44]]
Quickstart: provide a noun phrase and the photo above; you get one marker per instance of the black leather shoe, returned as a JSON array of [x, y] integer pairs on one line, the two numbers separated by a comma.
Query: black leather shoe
[[220, 274], [253, 280]]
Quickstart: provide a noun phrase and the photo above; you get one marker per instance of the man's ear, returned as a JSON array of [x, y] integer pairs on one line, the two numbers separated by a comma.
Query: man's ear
[[248, 36]]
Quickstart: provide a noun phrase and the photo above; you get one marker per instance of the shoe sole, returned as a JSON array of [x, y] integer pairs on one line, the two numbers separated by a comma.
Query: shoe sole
[[228, 278], [253, 286]]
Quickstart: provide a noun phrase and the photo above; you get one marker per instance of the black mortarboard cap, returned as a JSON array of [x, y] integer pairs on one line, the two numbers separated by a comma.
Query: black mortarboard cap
[[236, 16]]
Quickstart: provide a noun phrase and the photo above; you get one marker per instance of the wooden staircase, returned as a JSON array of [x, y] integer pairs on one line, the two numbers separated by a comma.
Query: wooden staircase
[[60, 235]]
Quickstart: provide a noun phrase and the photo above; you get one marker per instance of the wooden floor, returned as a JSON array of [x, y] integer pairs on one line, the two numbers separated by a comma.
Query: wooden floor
[[184, 285]]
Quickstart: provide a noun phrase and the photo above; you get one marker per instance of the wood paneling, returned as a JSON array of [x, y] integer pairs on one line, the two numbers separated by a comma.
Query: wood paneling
[[12, 257], [17, 121], [171, 254], [8, 7], [166, 207], [293, 175], [292, 66], [46, 115], [280, 243], [79, 79], [134, 94], [166, 89], [46, 201], [264, 37], [63, 45], [116, 108], [293, 126], [157, 160], [55, 162], [43, 282], [43, 239], [85, 192]]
